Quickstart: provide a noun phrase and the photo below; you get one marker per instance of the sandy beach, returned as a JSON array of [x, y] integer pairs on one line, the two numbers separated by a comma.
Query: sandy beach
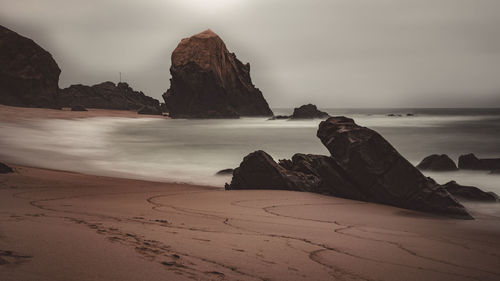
[[13, 114], [66, 226]]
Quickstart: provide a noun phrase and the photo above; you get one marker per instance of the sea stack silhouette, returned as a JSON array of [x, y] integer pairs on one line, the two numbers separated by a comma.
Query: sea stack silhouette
[[210, 82], [29, 75]]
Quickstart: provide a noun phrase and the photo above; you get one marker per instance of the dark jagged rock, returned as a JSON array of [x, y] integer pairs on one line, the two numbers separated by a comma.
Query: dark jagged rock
[[225, 172], [210, 82], [258, 170], [106, 95], [78, 108], [29, 76], [471, 162], [4, 169], [436, 162], [308, 111], [380, 172], [150, 110], [362, 166], [470, 193]]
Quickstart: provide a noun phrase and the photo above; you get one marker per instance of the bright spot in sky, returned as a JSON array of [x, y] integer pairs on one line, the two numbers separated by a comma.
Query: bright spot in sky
[[211, 6]]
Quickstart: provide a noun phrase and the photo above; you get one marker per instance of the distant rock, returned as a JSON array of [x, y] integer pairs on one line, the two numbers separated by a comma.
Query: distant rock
[[210, 82], [471, 162], [4, 169], [308, 111], [106, 95], [470, 193], [436, 162], [394, 115], [78, 108], [410, 114], [362, 166], [150, 110], [279, 117], [225, 172], [29, 75], [495, 172]]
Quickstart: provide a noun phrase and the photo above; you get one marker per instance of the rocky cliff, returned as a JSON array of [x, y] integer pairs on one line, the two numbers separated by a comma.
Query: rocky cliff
[[210, 82], [106, 95], [29, 76]]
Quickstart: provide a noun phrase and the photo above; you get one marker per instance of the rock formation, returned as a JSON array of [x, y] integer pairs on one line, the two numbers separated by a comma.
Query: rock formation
[[225, 172], [308, 111], [470, 193], [471, 162], [150, 110], [210, 82], [4, 169], [107, 95], [29, 76], [362, 166], [436, 162]]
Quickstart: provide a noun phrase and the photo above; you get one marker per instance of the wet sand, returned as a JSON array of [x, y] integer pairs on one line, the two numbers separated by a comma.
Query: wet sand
[[12, 113], [66, 226]]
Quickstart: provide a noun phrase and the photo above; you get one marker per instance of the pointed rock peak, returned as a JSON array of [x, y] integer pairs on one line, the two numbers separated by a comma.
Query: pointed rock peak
[[206, 34]]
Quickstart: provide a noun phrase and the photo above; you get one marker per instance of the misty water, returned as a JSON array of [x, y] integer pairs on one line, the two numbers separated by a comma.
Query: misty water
[[192, 151]]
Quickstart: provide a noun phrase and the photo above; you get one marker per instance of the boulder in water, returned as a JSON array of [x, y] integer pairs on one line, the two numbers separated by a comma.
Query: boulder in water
[[380, 173], [436, 162], [470, 193], [308, 111], [471, 162]]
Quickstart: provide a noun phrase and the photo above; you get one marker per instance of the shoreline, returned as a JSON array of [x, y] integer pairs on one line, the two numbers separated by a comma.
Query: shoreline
[[14, 114], [56, 224]]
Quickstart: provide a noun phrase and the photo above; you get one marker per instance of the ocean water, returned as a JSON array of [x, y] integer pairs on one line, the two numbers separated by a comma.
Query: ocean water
[[192, 151]]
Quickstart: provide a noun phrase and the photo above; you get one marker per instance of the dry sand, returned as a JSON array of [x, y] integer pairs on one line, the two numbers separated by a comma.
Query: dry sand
[[66, 226]]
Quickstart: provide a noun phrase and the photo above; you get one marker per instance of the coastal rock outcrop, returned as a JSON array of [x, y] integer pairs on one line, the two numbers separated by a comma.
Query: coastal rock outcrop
[[106, 95], [436, 162], [210, 82], [471, 162], [4, 169], [308, 111], [380, 172], [29, 75], [362, 166], [470, 193]]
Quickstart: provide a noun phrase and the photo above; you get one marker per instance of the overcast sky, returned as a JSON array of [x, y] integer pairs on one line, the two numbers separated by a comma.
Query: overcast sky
[[334, 53]]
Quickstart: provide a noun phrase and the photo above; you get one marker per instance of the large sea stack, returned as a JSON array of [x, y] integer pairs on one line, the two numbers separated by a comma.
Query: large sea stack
[[108, 95], [29, 76], [210, 82]]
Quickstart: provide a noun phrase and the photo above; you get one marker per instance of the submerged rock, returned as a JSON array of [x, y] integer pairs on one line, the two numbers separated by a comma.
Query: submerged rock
[[78, 108], [470, 193], [106, 95], [4, 169], [471, 162], [436, 162], [210, 82], [29, 75], [380, 173]]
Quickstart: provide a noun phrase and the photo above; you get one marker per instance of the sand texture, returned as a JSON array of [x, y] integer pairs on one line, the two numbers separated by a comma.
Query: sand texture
[[66, 226]]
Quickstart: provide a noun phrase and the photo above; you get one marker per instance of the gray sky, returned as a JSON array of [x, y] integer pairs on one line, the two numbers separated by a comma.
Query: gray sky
[[337, 53]]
